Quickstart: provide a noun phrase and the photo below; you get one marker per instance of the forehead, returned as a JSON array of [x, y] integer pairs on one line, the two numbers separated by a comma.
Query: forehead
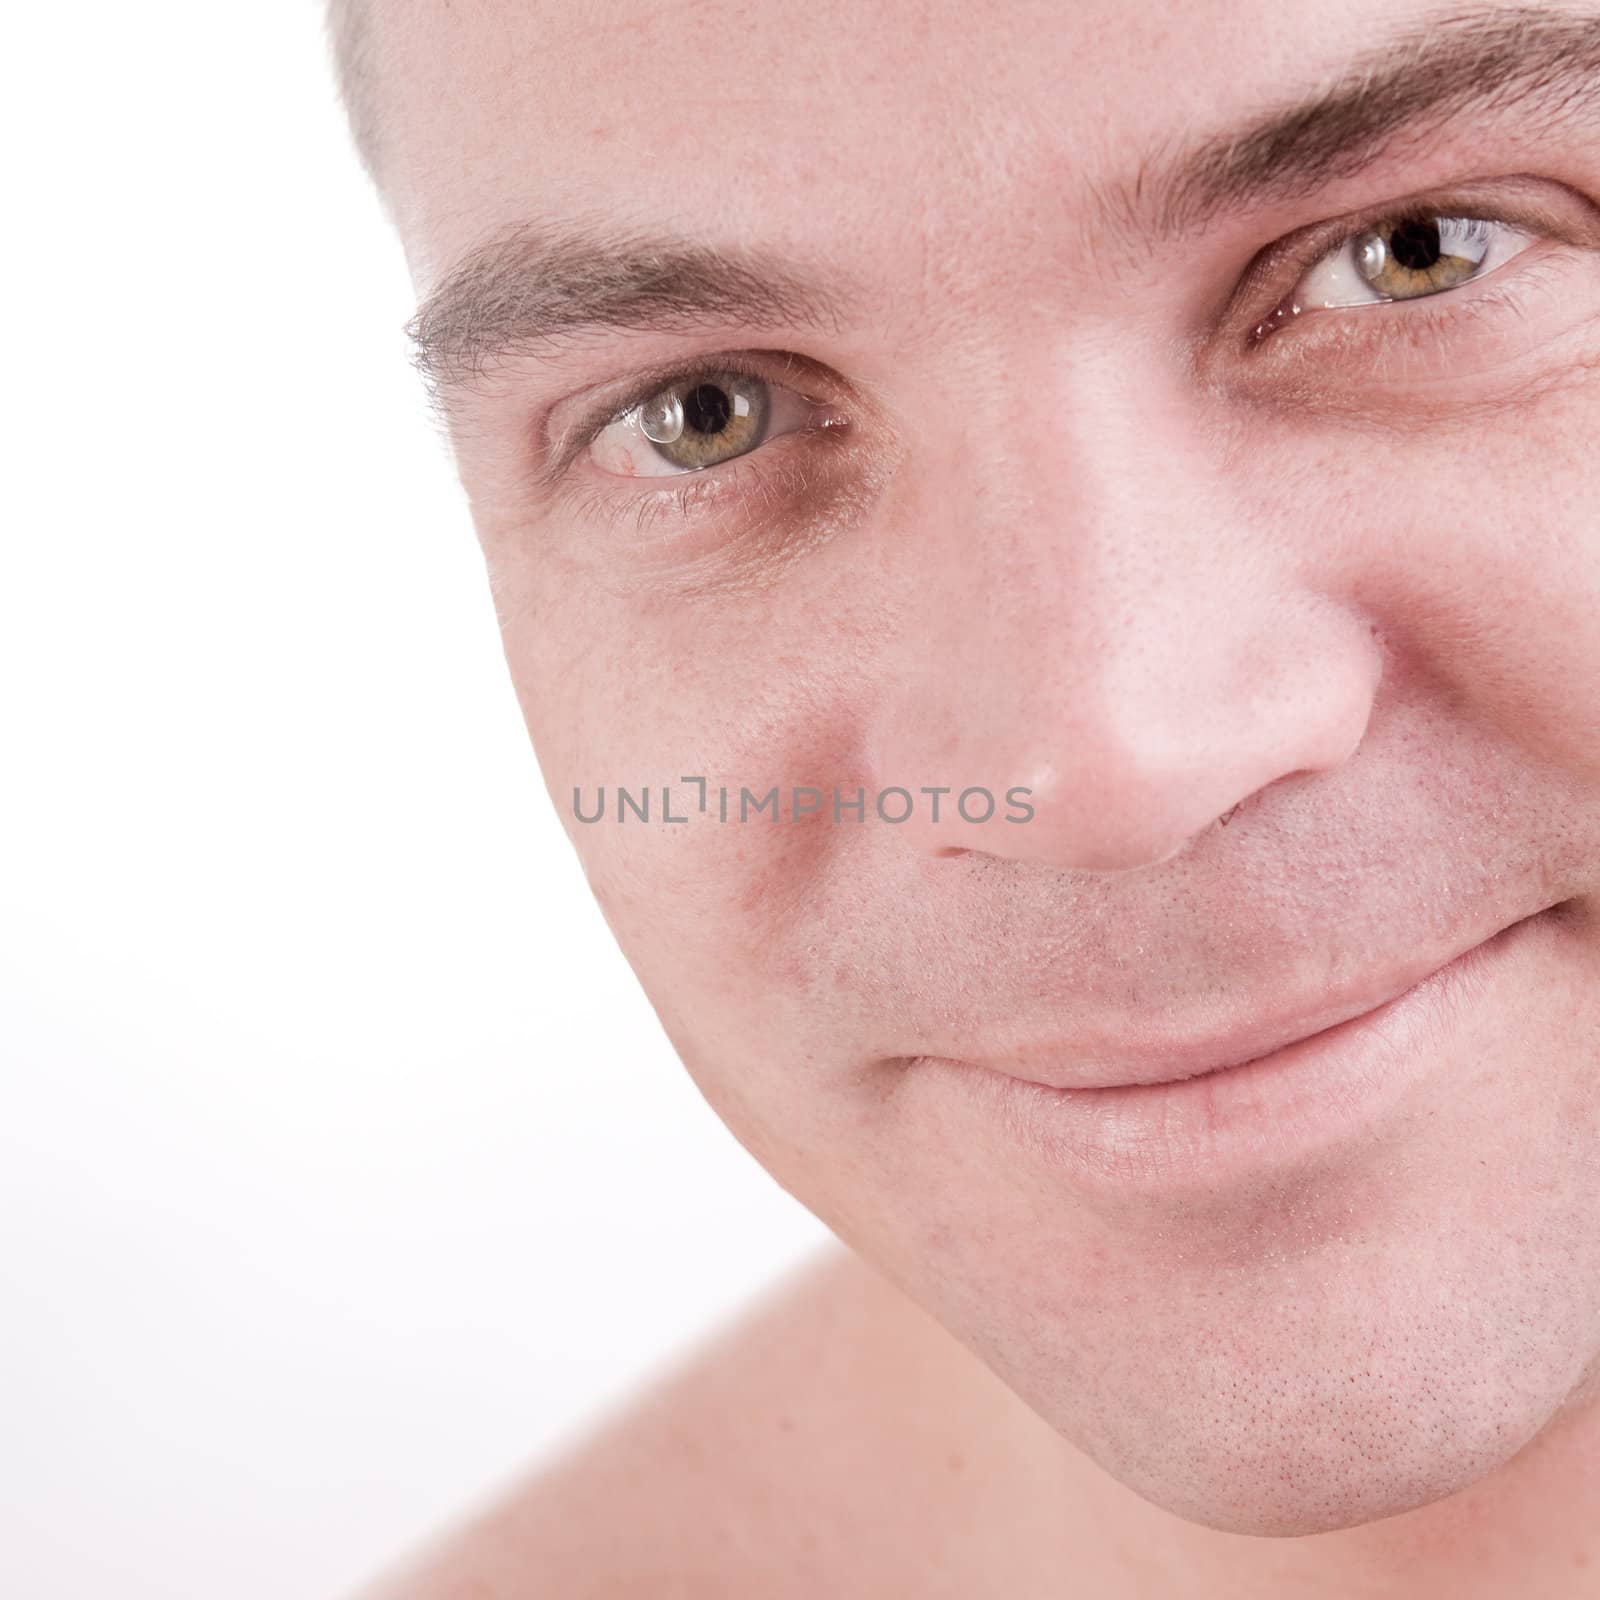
[[801, 121], [950, 160]]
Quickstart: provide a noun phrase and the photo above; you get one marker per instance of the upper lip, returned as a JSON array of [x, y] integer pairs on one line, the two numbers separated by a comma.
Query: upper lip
[[1141, 1054]]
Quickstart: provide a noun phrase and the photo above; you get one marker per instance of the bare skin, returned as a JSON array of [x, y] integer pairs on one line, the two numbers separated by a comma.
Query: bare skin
[[807, 1451], [1183, 416], [837, 1441]]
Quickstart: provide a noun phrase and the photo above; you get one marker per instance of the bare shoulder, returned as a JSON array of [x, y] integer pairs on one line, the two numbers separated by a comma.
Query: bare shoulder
[[760, 1465]]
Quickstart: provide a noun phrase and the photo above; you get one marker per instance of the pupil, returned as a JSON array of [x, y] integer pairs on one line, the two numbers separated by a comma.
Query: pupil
[[706, 408], [1416, 245]]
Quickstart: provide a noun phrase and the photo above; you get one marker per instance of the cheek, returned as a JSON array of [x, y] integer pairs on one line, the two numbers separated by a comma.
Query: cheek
[[1477, 550], [700, 708]]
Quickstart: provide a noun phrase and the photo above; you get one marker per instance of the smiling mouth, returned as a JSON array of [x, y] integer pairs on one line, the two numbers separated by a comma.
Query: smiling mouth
[[1187, 1117], [1179, 1057]]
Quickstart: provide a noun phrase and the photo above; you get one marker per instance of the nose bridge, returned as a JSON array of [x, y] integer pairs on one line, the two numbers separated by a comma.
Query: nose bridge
[[1072, 550], [1104, 629], [1087, 462]]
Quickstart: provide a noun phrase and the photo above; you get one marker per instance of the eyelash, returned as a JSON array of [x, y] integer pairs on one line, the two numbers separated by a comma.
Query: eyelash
[[1427, 317]]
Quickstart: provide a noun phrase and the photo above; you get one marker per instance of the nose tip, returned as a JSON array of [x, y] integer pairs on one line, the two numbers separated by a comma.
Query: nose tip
[[958, 818], [1043, 818], [1114, 771]]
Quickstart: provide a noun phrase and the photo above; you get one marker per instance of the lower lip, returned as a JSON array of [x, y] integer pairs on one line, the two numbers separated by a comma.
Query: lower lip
[[1276, 1111]]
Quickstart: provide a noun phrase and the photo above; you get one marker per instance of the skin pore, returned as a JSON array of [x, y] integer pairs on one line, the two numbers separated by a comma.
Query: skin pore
[[1094, 465]]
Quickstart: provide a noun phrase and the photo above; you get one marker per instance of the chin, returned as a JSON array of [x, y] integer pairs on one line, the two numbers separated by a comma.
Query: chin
[[1307, 1423], [1333, 1476], [1290, 1391]]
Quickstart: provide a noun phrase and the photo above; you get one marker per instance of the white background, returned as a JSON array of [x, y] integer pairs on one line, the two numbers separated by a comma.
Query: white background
[[343, 1167]]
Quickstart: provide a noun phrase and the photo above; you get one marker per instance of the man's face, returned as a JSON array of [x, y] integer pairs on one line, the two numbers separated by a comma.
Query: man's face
[[998, 458]]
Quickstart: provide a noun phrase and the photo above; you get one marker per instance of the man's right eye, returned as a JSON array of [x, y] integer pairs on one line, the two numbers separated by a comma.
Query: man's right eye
[[698, 421]]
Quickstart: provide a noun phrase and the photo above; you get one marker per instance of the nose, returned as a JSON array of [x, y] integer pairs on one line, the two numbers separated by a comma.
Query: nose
[[1118, 664]]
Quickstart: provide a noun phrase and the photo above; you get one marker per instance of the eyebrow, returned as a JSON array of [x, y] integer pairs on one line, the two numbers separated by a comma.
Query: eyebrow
[[1541, 63], [531, 286]]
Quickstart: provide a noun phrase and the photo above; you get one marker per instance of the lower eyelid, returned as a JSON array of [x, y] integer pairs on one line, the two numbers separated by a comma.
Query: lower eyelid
[[1436, 348], [721, 493], [711, 533]]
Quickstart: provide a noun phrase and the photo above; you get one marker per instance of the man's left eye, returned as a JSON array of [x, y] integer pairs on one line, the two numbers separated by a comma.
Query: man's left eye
[[1407, 258], [695, 423]]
